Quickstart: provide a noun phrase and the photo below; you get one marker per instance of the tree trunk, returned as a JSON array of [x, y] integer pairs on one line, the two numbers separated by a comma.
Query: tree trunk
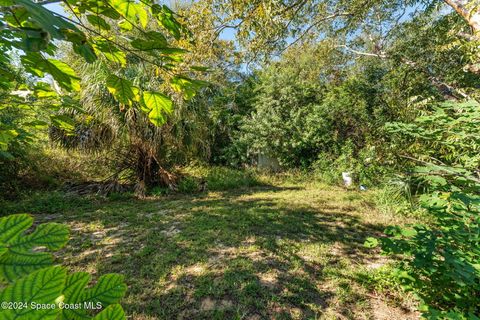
[[469, 10]]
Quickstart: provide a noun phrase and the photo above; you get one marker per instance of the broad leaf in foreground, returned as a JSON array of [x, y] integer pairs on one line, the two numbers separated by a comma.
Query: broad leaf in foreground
[[108, 290], [35, 296], [121, 89], [113, 312], [158, 106], [19, 256]]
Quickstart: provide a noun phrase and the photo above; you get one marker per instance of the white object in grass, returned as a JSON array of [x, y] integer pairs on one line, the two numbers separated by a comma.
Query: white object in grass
[[347, 179]]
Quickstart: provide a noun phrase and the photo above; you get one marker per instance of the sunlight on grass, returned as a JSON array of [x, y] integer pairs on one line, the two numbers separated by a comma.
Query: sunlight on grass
[[286, 251]]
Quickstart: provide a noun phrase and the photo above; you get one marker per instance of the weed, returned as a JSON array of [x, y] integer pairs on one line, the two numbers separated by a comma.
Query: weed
[[216, 179]]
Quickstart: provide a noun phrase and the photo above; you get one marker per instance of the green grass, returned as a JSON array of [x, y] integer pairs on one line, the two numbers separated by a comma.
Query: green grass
[[217, 178], [291, 250]]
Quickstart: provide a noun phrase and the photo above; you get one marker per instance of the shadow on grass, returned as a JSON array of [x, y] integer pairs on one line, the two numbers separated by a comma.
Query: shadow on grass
[[225, 256]]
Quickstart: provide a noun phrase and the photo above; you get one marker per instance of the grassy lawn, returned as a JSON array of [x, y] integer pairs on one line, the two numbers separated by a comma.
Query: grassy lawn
[[285, 251]]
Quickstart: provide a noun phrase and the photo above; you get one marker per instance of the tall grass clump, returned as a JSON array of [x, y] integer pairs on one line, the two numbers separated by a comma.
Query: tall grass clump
[[216, 178]]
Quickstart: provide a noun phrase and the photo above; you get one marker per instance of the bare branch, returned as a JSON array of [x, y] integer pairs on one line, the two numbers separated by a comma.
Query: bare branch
[[44, 2], [468, 10], [380, 55], [315, 24], [447, 90]]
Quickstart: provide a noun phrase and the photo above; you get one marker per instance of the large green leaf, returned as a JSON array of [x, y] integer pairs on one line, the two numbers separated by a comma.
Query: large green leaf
[[158, 106], [110, 51], [156, 36], [186, 86], [142, 15], [167, 20], [45, 19], [133, 12], [5, 137], [44, 90], [63, 74], [86, 51], [60, 71], [125, 25], [43, 294], [74, 286], [126, 8], [63, 122], [16, 264], [122, 89], [13, 225], [108, 290], [174, 53], [53, 236], [18, 258], [112, 312], [154, 40], [98, 21], [43, 287], [32, 62]]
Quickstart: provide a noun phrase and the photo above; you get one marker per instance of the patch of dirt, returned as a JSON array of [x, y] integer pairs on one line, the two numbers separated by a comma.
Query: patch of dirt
[[194, 270], [376, 262], [249, 241], [268, 279], [171, 231], [226, 304], [163, 212], [382, 311], [208, 304]]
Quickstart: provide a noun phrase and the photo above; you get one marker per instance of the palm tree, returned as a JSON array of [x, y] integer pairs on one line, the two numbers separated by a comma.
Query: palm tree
[[140, 151]]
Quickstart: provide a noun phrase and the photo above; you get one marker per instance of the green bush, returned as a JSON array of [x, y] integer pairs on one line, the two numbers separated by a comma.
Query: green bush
[[159, 191], [216, 178], [395, 197], [383, 281], [221, 178], [298, 116], [45, 203], [366, 169], [35, 289], [188, 184], [439, 261]]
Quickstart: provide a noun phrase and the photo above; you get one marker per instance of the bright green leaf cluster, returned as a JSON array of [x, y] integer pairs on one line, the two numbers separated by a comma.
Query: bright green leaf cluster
[[38, 290], [116, 32], [5, 137], [441, 259], [19, 258], [157, 105]]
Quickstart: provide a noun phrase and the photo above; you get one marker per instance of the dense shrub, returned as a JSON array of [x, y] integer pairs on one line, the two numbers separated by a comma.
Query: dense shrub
[[440, 259], [45, 202], [306, 114], [216, 179]]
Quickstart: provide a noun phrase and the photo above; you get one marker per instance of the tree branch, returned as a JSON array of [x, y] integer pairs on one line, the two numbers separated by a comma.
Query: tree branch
[[468, 10], [447, 90], [315, 24]]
